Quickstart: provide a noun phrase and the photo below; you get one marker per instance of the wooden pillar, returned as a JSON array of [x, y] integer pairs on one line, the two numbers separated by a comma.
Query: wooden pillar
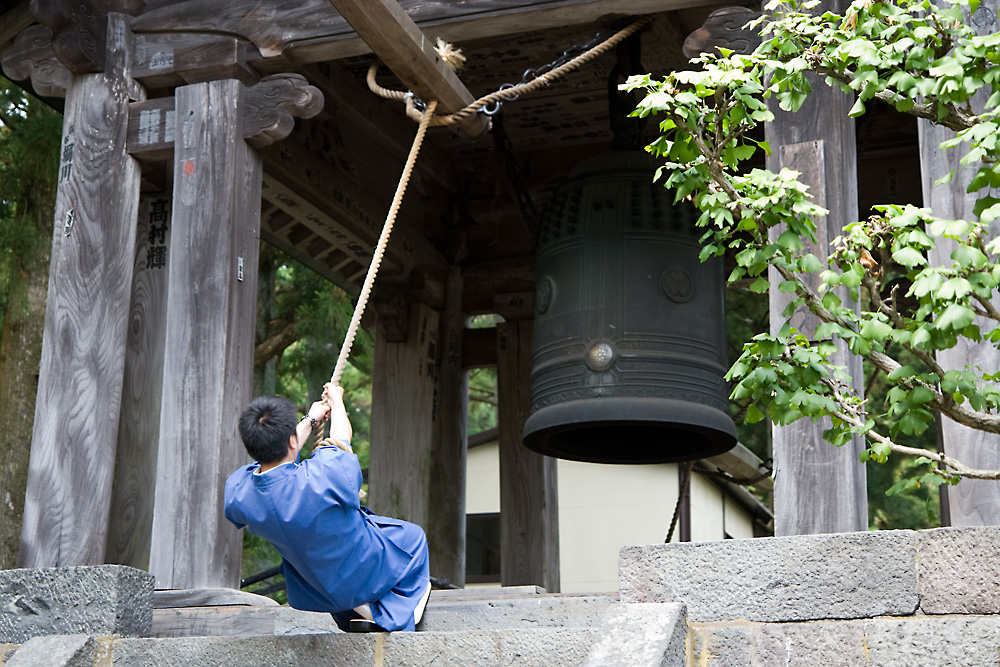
[[529, 507], [130, 521], [209, 340], [83, 350], [974, 502], [402, 427], [446, 520], [818, 488]]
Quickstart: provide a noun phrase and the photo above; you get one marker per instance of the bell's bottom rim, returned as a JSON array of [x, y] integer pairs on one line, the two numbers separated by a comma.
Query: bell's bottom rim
[[623, 429]]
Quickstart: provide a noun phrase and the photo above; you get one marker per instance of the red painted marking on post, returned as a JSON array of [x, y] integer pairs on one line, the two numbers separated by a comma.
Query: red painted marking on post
[[189, 167]]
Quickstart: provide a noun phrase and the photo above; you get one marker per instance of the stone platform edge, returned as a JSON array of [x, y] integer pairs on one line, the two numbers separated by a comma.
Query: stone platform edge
[[819, 577]]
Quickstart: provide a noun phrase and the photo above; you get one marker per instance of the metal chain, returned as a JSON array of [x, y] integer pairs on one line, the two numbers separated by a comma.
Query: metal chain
[[567, 55], [532, 80]]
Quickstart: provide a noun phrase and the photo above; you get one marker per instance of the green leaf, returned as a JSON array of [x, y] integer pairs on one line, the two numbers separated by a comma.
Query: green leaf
[[876, 330], [955, 317], [754, 414], [909, 257], [809, 262], [921, 395]]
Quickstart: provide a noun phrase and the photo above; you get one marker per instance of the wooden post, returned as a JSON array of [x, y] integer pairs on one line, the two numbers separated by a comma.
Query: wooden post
[[818, 488], [130, 522], [974, 502], [446, 520], [83, 350], [209, 341], [529, 507], [402, 427]]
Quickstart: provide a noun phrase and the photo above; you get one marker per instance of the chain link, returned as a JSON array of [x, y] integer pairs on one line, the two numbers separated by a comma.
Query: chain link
[[566, 56]]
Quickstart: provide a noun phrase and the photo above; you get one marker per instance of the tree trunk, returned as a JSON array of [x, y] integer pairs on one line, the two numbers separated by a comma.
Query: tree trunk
[[20, 350]]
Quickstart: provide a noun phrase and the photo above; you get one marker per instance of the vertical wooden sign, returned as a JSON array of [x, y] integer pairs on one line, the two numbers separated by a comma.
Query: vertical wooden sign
[[130, 520], [209, 337], [86, 321]]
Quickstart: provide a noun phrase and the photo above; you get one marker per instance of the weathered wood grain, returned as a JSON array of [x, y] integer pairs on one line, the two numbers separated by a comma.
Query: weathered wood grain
[[973, 502], [272, 105], [724, 28], [529, 505], [31, 55], [818, 488], [308, 31], [234, 621], [79, 29], [269, 112], [151, 128], [130, 520], [16, 19], [446, 523], [86, 322], [402, 428], [208, 347]]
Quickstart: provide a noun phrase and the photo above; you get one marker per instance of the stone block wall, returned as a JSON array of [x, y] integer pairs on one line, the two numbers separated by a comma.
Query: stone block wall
[[910, 598]]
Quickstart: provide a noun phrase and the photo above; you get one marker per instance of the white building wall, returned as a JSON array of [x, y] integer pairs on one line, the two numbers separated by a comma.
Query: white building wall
[[604, 507]]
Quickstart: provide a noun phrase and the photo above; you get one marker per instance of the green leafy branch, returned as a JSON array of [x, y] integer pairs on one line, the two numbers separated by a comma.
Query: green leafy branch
[[894, 52]]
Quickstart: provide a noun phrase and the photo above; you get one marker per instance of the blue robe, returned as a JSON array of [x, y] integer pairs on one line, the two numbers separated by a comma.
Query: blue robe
[[336, 554]]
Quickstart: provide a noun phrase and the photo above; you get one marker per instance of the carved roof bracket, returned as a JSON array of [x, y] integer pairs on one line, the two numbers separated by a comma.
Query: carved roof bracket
[[273, 104], [69, 38], [270, 109], [31, 56], [79, 29], [724, 28]]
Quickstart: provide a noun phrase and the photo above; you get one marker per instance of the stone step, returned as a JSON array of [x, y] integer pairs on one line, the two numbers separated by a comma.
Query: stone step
[[491, 608], [457, 613], [545, 647]]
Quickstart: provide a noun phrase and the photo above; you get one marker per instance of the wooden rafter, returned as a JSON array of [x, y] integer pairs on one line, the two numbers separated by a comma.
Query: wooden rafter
[[397, 40]]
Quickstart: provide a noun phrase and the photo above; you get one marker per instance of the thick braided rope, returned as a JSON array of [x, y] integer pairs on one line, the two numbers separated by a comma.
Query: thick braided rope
[[516, 90], [366, 288]]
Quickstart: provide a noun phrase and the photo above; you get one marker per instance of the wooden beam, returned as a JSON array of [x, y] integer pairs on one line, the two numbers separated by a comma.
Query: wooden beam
[[269, 110], [13, 21], [209, 340], [86, 322], [397, 40], [529, 502], [311, 31]]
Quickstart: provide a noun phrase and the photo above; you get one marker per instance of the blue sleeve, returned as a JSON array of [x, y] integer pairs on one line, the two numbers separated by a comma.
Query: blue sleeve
[[230, 505]]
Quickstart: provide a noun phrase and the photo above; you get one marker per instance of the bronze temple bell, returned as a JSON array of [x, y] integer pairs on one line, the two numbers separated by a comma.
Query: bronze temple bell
[[629, 336]]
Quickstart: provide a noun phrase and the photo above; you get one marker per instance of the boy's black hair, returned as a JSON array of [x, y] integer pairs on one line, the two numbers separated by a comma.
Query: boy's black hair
[[265, 427]]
